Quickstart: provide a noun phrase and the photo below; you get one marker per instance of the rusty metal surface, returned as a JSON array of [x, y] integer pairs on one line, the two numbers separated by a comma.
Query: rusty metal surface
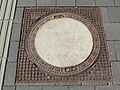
[[31, 68]]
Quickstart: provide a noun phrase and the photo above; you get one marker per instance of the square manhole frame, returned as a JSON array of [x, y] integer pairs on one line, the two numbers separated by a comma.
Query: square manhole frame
[[28, 72]]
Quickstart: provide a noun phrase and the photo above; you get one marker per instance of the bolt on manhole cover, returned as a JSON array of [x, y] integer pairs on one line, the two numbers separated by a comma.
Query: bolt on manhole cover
[[66, 44]]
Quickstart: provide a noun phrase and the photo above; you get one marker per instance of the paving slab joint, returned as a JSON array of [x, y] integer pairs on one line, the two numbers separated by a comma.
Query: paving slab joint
[[115, 51]]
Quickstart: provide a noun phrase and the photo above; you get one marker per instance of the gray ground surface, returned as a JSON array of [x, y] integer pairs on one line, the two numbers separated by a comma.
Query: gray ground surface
[[111, 19]]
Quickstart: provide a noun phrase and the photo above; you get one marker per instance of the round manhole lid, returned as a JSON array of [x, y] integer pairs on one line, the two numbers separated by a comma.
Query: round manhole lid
[[63, 43]]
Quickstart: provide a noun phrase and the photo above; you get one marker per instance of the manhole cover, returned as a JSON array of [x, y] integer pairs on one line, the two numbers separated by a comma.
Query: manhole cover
[[63, 41], [63, 44]]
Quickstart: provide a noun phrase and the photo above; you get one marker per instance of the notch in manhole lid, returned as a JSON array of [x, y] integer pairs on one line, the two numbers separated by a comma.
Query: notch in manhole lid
[[60, 42]]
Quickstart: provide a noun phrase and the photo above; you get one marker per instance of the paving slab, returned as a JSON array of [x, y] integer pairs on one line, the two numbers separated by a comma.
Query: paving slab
[[9, 88], [56, 88], [1, 22], [116, 72], [0, 2], [108, 31], [49, 84], [117, 2], [112, 31], [85, 3], [104, 14], [18, 15], [35, 84], [117, 46], [81, 87], [16, 32], [111, 48], [29, 88], [115, 31], [107, 87], [104, 2], [0, 62], [46, 2], [10, 74], [114, 14], [26, 3], [65, 2], [13, 51]]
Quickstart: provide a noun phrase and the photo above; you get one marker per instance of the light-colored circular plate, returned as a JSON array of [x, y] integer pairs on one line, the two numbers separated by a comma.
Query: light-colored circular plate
[[63, 42]]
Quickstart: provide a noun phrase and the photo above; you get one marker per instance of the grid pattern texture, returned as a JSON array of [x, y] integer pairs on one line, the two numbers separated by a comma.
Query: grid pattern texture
[[99, 72]]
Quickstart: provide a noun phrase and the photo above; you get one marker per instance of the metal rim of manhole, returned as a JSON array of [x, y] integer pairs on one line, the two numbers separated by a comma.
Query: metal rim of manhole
[[62, 71]]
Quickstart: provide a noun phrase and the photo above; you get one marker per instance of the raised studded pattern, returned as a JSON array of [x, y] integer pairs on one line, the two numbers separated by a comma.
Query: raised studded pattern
[[28, 71]]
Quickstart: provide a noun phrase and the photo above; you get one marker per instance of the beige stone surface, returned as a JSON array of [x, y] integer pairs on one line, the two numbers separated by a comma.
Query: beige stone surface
[[63, 42]]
